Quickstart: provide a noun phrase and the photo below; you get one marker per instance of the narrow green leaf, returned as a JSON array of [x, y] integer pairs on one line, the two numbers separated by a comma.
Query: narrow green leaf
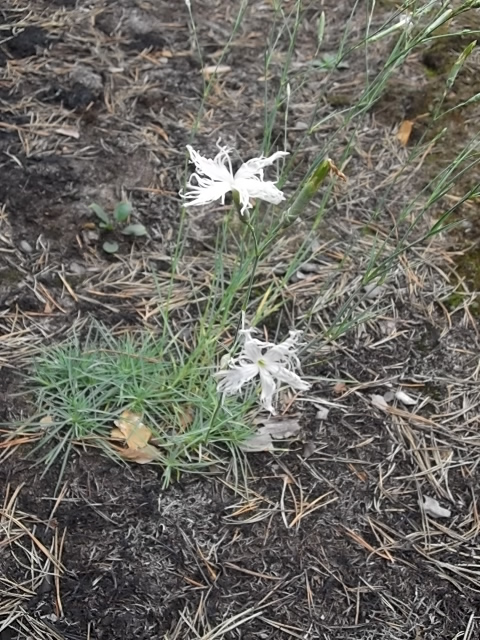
[[459, 62], [320, 29]]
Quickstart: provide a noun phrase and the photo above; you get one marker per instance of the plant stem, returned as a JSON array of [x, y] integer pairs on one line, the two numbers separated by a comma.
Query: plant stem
[[250, 281], [245, 219]]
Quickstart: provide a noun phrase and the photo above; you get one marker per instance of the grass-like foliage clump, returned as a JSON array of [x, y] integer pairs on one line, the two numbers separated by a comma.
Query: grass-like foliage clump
[[83, 386]]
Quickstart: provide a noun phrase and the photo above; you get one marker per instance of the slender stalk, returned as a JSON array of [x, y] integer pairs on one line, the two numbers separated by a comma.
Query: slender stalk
[[257, 254], [246, 300]]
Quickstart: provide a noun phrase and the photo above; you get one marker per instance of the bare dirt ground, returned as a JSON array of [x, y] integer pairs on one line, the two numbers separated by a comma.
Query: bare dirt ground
[[333, 538]]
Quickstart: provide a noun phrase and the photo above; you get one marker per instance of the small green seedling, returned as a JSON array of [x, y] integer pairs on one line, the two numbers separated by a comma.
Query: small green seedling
[[121, 214]]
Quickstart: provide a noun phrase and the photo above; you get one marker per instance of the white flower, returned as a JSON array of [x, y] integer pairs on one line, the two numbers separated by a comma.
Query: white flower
[[213, 179], [272, 363]]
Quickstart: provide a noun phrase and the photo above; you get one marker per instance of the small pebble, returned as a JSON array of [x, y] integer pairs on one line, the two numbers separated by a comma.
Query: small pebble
[[91, 235], [77, 269], [26, 247], [308, 449], [322, 414]]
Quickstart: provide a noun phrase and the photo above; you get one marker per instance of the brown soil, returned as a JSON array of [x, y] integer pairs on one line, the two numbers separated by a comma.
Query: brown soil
[[328, 541]]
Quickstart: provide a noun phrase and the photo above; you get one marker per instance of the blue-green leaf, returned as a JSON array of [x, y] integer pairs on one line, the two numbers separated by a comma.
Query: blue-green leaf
[[135, 230], [110, 247], [100, 213], [122, 211]]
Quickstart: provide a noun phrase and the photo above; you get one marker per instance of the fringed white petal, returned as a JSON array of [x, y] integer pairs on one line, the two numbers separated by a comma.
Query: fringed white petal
[[255, 166], [204, 193], [232, 380], [286, 350], [289, 378], [255, 188], [252, 349], [215, 169], [269, 388]]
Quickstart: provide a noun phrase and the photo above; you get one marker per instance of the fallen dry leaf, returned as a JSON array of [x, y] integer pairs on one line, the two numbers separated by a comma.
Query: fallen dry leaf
[[336, 171], [185, 419], [146, 454], [257, 442], [134, 432], [280, 429], [404, 132], [116, 434], [161, 131], [271, 429]]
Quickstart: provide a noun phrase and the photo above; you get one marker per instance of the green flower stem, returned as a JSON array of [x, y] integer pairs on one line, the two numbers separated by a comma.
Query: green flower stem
[[245, 218]]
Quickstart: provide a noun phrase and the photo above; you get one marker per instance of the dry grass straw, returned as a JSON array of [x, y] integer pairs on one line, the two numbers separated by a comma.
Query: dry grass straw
[[30, 567]]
